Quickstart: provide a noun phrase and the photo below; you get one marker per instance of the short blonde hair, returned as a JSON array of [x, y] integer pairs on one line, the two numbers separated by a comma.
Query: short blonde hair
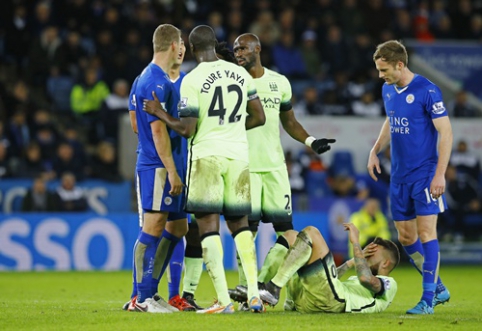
[[391, 51], [164, 36]]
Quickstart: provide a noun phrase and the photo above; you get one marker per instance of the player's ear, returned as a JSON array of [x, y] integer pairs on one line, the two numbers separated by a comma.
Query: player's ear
[[257, 49]]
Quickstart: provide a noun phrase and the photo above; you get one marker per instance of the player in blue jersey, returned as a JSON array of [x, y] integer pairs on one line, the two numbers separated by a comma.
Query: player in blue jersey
[[159, 169], [416, 118]]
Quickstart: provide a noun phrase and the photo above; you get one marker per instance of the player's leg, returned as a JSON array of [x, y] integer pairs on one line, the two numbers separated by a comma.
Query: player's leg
[[174, 270], [208, 174], [193, 260], [237, 205]]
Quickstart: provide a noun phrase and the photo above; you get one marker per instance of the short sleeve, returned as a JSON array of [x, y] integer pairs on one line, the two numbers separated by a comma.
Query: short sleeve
[[252, 93], [189, 103], [286, 95], [434, 104]]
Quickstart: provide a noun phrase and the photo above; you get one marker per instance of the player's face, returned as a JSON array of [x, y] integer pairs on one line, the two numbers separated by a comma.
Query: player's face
[[388, 72], [244, 53], [376, 259], [182, 52]]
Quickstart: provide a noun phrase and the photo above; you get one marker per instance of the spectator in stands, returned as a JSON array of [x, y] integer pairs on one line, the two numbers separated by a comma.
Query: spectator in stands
[[73, 54], [71, 197], [443, 28], [266, 28], [113, 107], [19, 98], [476, 27], [42, 119], [463, 196], [332, 105], [18, 133], [310, 103], [311, 161], [17, 34], [71, 136], [39, 198], [361, 53], [86, 101], [5, 164], [344, 184], [47, 141], [288, 59], [59, 86], [66, 162], [350, 17], [461, 16], [335, 51], [461, 106], [465, 161], [311, 55], [371, 223], [32, 165], [104, 163], [367, 106], [402, 26]]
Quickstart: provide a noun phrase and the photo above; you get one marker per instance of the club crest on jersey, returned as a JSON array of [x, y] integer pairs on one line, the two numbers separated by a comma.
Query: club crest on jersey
[[273, 87], [438, 108], [386, 283], [410, 98], [182, 103], [168, 201]]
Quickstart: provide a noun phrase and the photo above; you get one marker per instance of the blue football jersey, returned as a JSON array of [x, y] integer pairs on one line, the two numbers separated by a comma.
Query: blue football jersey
[[153, 78], [410, 112], [175, 113]]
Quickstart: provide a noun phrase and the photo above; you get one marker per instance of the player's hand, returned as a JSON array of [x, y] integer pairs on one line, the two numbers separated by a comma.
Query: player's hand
[[322, 145], [353, 233], [437, 186], [369, 250], [176, 183], [373, 163], [152, 106]]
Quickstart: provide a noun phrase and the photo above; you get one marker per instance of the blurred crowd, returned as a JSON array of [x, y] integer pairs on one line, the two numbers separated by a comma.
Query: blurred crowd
[[66, 66]]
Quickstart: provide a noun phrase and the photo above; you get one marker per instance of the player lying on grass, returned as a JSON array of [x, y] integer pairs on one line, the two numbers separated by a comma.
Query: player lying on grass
[[305, 264]]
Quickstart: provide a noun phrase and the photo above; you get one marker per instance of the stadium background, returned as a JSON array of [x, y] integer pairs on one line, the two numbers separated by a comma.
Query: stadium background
[[324, 47]]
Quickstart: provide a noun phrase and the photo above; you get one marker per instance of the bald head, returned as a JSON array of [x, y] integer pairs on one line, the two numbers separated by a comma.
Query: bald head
[[248, 39], [202, 38], [246, 49]]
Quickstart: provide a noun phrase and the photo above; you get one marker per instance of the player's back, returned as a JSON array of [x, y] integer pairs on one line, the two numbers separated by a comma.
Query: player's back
[[410, 112], [217, 94], [266, 152], [359, 299], [153, 78]]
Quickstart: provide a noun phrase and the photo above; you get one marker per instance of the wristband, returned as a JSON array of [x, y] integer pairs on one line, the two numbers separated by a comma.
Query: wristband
[[309, 141]]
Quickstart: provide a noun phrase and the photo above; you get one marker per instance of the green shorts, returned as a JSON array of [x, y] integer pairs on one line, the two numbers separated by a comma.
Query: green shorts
[[216, 184], [316, 288], [271, 196]]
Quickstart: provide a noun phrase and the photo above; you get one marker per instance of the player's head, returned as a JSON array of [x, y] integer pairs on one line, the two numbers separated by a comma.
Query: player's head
[[246, 50], [386, 257], [224, 53], [182, 52], [202, 39], [166, 37], [391, 59]]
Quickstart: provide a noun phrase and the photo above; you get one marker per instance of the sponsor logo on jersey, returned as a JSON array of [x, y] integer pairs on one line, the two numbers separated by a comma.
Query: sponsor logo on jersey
[[410, 98], [386, 283], [133, 101], [438, 108]]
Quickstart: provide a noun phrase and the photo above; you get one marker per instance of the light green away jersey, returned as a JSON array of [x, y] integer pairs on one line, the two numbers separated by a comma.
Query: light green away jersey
[[265, 150], [361, 300], [217, 94]]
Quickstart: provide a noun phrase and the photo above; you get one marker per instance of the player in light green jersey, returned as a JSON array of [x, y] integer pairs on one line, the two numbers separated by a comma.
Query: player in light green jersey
[[308, 269], [270, 187], [218, 104]]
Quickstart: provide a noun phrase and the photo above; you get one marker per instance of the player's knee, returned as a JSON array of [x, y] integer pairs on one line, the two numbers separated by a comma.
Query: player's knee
[[406, 238], [312, 232], [290, 236]]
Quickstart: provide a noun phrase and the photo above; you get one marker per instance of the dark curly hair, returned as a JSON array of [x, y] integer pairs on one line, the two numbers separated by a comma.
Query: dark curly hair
[[224, 53]]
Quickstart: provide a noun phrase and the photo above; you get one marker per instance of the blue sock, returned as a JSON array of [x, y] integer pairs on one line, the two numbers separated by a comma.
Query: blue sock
[[416, 254], [167, 242], [144, 255], [134, 281], [430, 270], [175, 269]]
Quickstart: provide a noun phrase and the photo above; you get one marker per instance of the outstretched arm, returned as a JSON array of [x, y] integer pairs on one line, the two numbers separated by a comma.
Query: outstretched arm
[[382, 142], [184, 126], [365, 276], [298, 132]]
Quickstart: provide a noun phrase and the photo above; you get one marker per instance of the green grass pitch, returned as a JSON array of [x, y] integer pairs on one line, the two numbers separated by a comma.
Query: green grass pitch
[[93, 301]]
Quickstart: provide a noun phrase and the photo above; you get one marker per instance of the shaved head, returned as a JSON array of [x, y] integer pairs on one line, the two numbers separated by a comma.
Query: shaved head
[[246, 49], [249, 38], [202, 38]]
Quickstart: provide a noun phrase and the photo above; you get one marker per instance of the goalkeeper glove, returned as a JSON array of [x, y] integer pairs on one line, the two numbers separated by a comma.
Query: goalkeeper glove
[[319, 145]]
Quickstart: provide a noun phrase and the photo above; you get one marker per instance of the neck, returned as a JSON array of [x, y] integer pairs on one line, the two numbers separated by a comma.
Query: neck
[[257, 70], [406, 77], [162, 60], [206, 56], [175, 71]]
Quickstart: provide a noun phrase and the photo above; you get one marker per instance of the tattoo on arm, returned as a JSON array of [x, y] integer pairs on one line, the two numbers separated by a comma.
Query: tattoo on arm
[[363, 271], [344, 268]]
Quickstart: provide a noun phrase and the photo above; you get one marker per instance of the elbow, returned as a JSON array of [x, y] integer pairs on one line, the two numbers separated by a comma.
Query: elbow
[[187, 133], [365, 281], [261, 120]]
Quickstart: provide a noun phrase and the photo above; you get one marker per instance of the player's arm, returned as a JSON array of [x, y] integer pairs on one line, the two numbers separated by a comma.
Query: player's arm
[[367, 251], [365, 276], [256, 116], [132, 117], [184, 126], [297, 132], [162, 142], [442, 124], [381, 143]]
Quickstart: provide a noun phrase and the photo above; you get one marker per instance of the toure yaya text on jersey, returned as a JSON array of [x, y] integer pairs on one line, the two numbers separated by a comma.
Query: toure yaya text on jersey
[[217, 75]]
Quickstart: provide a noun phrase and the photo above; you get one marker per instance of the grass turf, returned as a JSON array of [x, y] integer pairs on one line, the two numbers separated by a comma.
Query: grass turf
[[93, 301]]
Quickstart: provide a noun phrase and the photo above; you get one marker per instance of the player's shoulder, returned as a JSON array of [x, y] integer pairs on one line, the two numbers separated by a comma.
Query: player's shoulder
[[426, 84], [388, 282]]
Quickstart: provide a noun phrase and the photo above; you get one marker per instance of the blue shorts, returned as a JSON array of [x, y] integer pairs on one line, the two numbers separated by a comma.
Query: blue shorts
[[411, 199], [153, 194]]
